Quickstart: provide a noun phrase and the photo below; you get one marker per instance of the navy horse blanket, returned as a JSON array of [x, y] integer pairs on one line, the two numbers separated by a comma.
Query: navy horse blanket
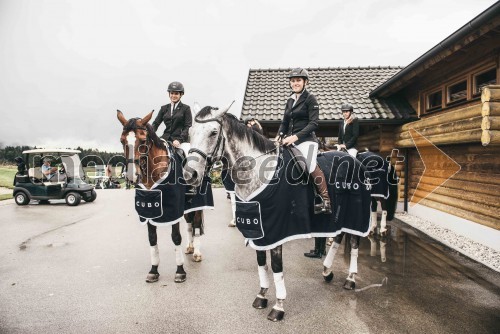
[[166, 202], [284, 209]]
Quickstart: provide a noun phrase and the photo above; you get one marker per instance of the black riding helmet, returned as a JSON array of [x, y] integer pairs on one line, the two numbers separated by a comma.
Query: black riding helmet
[[248, 119], [299, 73], [176, 86], [346, 107]]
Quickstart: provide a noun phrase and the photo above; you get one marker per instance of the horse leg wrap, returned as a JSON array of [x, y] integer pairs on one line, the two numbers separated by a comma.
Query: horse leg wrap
[[373, 245], [331, 255], [373, 222], [383, 222], [264, 280], [279, 283], [179, 256], [233, 204], [383, 258], [353, 267], [190, 232], [197, 252], [155, 255]]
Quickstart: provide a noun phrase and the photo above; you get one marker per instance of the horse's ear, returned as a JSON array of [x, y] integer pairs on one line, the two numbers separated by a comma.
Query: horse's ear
[[196, 108], [121, 118], [222, 111], [146, 118]]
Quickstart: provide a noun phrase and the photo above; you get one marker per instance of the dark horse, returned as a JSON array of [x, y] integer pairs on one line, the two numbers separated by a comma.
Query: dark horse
[[150, 162], [383, 190], [271, 209]]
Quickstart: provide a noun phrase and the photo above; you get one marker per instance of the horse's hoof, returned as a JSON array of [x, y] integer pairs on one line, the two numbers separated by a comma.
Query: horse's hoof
[[259, 303], [329, 241], [349, 285], [179, 278], [329, 277], [276, 315], [197, 258], [189, 250], [151, 278]]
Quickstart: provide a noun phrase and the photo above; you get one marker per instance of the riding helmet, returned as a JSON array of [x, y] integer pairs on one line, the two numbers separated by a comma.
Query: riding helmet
[[299, 73], [346, 107], [176, 86]]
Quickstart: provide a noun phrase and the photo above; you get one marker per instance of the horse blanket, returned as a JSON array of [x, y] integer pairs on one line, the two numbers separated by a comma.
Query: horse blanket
[[283, 210], [166, 202]]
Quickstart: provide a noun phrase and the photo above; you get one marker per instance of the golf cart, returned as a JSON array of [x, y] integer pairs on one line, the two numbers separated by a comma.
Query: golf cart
[[31, 183]]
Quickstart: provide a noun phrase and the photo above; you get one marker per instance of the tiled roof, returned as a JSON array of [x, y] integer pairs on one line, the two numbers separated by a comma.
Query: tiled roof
[[267, 92]]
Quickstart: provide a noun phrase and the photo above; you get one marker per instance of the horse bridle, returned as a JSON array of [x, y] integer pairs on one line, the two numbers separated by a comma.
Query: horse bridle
[[132, 126], [220, 145]]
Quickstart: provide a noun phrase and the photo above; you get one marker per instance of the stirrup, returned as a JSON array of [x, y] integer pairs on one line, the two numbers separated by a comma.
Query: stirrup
[[322, 207]]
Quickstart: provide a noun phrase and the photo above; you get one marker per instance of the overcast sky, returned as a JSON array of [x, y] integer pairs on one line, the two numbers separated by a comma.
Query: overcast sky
[[66, 66]]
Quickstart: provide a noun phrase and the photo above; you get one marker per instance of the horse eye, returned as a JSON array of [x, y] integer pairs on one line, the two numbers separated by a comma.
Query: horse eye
[[214, 132]]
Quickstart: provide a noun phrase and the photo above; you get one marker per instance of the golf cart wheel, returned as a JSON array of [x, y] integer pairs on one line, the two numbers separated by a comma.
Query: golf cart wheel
[[21, 198], [73, 199], [92, 198]]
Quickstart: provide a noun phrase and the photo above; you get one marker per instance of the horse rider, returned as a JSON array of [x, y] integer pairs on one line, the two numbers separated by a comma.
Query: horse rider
[[254, 125], [176, 116], [348, 131], [298, 125]]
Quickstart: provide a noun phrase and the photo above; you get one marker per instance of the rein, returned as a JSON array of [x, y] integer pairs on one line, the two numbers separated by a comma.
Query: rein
[[221, 144]]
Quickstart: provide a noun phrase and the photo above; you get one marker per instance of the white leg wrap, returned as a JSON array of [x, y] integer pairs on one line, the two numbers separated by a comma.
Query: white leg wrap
[[353, 267], [264, 280], [155, 255], [373, 222], [382, 251], [179, 256], [279, 283], [373, 246], [383, 222], [233, 204], [190, 233], [331, 255], [197, 245]]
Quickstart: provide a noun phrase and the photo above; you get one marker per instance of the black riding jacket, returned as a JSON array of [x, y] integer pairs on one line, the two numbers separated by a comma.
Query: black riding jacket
[[351, 134], [302, 119], [177, 124]]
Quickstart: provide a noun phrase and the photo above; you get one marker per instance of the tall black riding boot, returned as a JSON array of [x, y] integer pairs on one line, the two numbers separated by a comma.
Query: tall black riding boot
[[321, 187], [315, 253], [322, 246]]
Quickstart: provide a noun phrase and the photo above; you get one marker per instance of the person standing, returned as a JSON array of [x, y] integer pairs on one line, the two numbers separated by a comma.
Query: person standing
[[348, 131], [298, 125], [176, 116]]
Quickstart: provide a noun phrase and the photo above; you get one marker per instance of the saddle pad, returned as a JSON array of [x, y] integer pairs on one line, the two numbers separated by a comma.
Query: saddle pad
[[148, 203], [249, 220]]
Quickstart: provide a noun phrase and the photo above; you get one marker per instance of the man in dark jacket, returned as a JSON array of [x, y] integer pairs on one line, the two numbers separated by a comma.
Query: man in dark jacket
[[176, 116], [348, 131]]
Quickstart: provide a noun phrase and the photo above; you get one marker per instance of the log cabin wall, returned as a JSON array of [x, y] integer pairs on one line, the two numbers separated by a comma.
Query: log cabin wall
[[470, 136]]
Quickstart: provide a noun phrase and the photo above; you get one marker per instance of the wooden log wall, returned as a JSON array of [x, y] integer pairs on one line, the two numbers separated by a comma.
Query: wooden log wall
[[490, 125], [472, 193]]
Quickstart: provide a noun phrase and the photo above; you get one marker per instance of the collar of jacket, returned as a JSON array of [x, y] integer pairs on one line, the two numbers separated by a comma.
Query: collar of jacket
[[179, 104], [301, 99]]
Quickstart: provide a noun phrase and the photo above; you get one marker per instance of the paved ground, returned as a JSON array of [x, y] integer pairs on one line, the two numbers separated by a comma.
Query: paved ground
[[81, 270]]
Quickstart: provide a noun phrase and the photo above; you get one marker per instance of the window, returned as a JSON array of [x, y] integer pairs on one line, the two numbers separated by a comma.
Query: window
[[434, 100], [457, 92], [488, 77]]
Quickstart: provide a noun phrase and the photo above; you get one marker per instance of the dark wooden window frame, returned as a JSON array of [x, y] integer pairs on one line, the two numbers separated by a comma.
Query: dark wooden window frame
[[469, 76]]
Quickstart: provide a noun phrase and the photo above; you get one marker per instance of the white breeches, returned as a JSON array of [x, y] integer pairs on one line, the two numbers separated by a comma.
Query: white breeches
[[309, 150]]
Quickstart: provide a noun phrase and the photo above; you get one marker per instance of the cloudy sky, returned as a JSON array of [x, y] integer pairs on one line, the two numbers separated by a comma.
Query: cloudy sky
[[66, 66]]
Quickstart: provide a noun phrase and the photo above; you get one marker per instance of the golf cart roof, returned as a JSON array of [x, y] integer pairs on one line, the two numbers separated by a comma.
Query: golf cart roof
[[51, 150]]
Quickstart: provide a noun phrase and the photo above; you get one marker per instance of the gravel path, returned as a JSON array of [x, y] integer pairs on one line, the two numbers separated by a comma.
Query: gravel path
[[481, 253]]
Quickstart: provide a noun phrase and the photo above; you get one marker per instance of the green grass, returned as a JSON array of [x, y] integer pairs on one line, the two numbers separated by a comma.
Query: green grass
[[6, 196], [7, 174]]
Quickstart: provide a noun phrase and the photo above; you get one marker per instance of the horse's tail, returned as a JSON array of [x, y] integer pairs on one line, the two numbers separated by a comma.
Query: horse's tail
[[347, 249]]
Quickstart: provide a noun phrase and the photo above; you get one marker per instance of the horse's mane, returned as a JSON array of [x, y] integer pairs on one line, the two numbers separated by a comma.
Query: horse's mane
[[243, 132], [154, 137]]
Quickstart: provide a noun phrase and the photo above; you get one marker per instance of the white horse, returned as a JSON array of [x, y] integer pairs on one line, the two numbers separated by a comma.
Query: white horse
[[254, 162]]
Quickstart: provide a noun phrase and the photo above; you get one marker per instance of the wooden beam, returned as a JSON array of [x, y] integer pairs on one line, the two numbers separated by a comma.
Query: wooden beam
[[466, 136], [457, 114], [490, 93]]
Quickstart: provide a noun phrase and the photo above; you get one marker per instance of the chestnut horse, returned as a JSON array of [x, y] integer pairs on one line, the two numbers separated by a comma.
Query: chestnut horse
[[148, 161]]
